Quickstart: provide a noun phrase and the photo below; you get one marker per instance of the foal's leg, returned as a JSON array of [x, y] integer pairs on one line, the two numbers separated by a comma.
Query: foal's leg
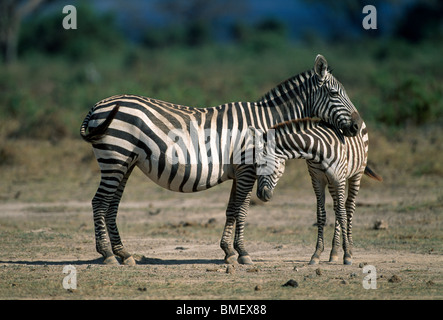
[[341, 218], [333, 256], [353, 188], [319, 186]]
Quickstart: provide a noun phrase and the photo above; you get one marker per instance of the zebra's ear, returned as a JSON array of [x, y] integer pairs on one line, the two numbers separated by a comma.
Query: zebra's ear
[[321, 67]]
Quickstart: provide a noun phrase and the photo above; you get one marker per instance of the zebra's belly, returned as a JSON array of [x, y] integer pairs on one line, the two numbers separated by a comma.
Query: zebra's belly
[[185, 177]]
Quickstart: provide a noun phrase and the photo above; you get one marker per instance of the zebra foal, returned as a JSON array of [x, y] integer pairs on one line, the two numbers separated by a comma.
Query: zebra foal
[[187, 149], [333, 160]]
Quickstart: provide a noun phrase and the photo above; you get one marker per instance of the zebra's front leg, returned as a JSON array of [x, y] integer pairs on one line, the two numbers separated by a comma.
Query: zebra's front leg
[[243, 197], [243, 255], [226, 240]]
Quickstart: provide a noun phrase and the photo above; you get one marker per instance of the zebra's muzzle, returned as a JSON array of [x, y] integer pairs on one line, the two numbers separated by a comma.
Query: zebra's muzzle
[[354, 126], [265, 195], [351, 131]]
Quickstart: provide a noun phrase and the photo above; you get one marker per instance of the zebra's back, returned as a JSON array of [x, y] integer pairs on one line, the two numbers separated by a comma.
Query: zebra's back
[[180, 148]]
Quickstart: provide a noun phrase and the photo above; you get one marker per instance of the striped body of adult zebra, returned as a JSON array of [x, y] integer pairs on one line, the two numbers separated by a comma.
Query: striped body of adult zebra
[[332, 160], [188, 149]]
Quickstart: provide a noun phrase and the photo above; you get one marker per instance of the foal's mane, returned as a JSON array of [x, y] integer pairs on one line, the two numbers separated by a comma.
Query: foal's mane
[[297, 124]]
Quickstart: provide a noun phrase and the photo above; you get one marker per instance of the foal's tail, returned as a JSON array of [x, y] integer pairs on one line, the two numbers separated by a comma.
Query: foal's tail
[[96, 133], [372, 174]]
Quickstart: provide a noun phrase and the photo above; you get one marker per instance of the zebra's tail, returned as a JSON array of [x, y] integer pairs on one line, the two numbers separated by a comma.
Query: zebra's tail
[[96, 133], [372, 174]]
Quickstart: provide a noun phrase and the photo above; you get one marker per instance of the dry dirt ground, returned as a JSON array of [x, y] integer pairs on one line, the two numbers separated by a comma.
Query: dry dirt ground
[[46, 225]]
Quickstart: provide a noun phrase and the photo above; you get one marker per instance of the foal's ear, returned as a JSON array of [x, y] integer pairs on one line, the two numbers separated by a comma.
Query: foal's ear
[[321, 67], [258, 141], [257, 136], [252, 131]]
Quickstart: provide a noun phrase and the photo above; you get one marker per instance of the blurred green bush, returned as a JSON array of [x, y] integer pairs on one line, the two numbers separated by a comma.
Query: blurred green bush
[[412, 100], [95, 34], [62, 73]]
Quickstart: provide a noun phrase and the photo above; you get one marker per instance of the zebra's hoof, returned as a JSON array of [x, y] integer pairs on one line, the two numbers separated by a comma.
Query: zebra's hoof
[[347, 261], [245, 260], [314, 261], [129, 261], [333, 258], [111, 261], [231, 259]]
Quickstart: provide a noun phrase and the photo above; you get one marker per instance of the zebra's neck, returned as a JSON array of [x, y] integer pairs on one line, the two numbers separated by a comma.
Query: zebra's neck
[[292, 98]]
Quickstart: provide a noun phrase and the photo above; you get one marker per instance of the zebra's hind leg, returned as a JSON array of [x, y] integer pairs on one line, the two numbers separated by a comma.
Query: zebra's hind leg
[[226, 240], [114, 175], [353, 188], [111, 224], [333, 256], [100, 204]]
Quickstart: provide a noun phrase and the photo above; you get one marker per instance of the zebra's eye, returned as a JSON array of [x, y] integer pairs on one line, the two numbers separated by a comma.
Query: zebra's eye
[[334, 92]]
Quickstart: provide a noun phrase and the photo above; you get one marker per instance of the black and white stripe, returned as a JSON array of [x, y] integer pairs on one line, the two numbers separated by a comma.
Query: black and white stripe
[[333, 160], [188, 149]]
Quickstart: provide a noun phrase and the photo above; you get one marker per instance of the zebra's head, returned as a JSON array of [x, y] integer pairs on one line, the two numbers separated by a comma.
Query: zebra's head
[[331, 102], [268, 165]]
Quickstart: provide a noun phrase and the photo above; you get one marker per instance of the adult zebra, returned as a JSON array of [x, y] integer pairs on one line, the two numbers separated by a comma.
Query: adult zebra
[[332, 160], [128, 131]]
